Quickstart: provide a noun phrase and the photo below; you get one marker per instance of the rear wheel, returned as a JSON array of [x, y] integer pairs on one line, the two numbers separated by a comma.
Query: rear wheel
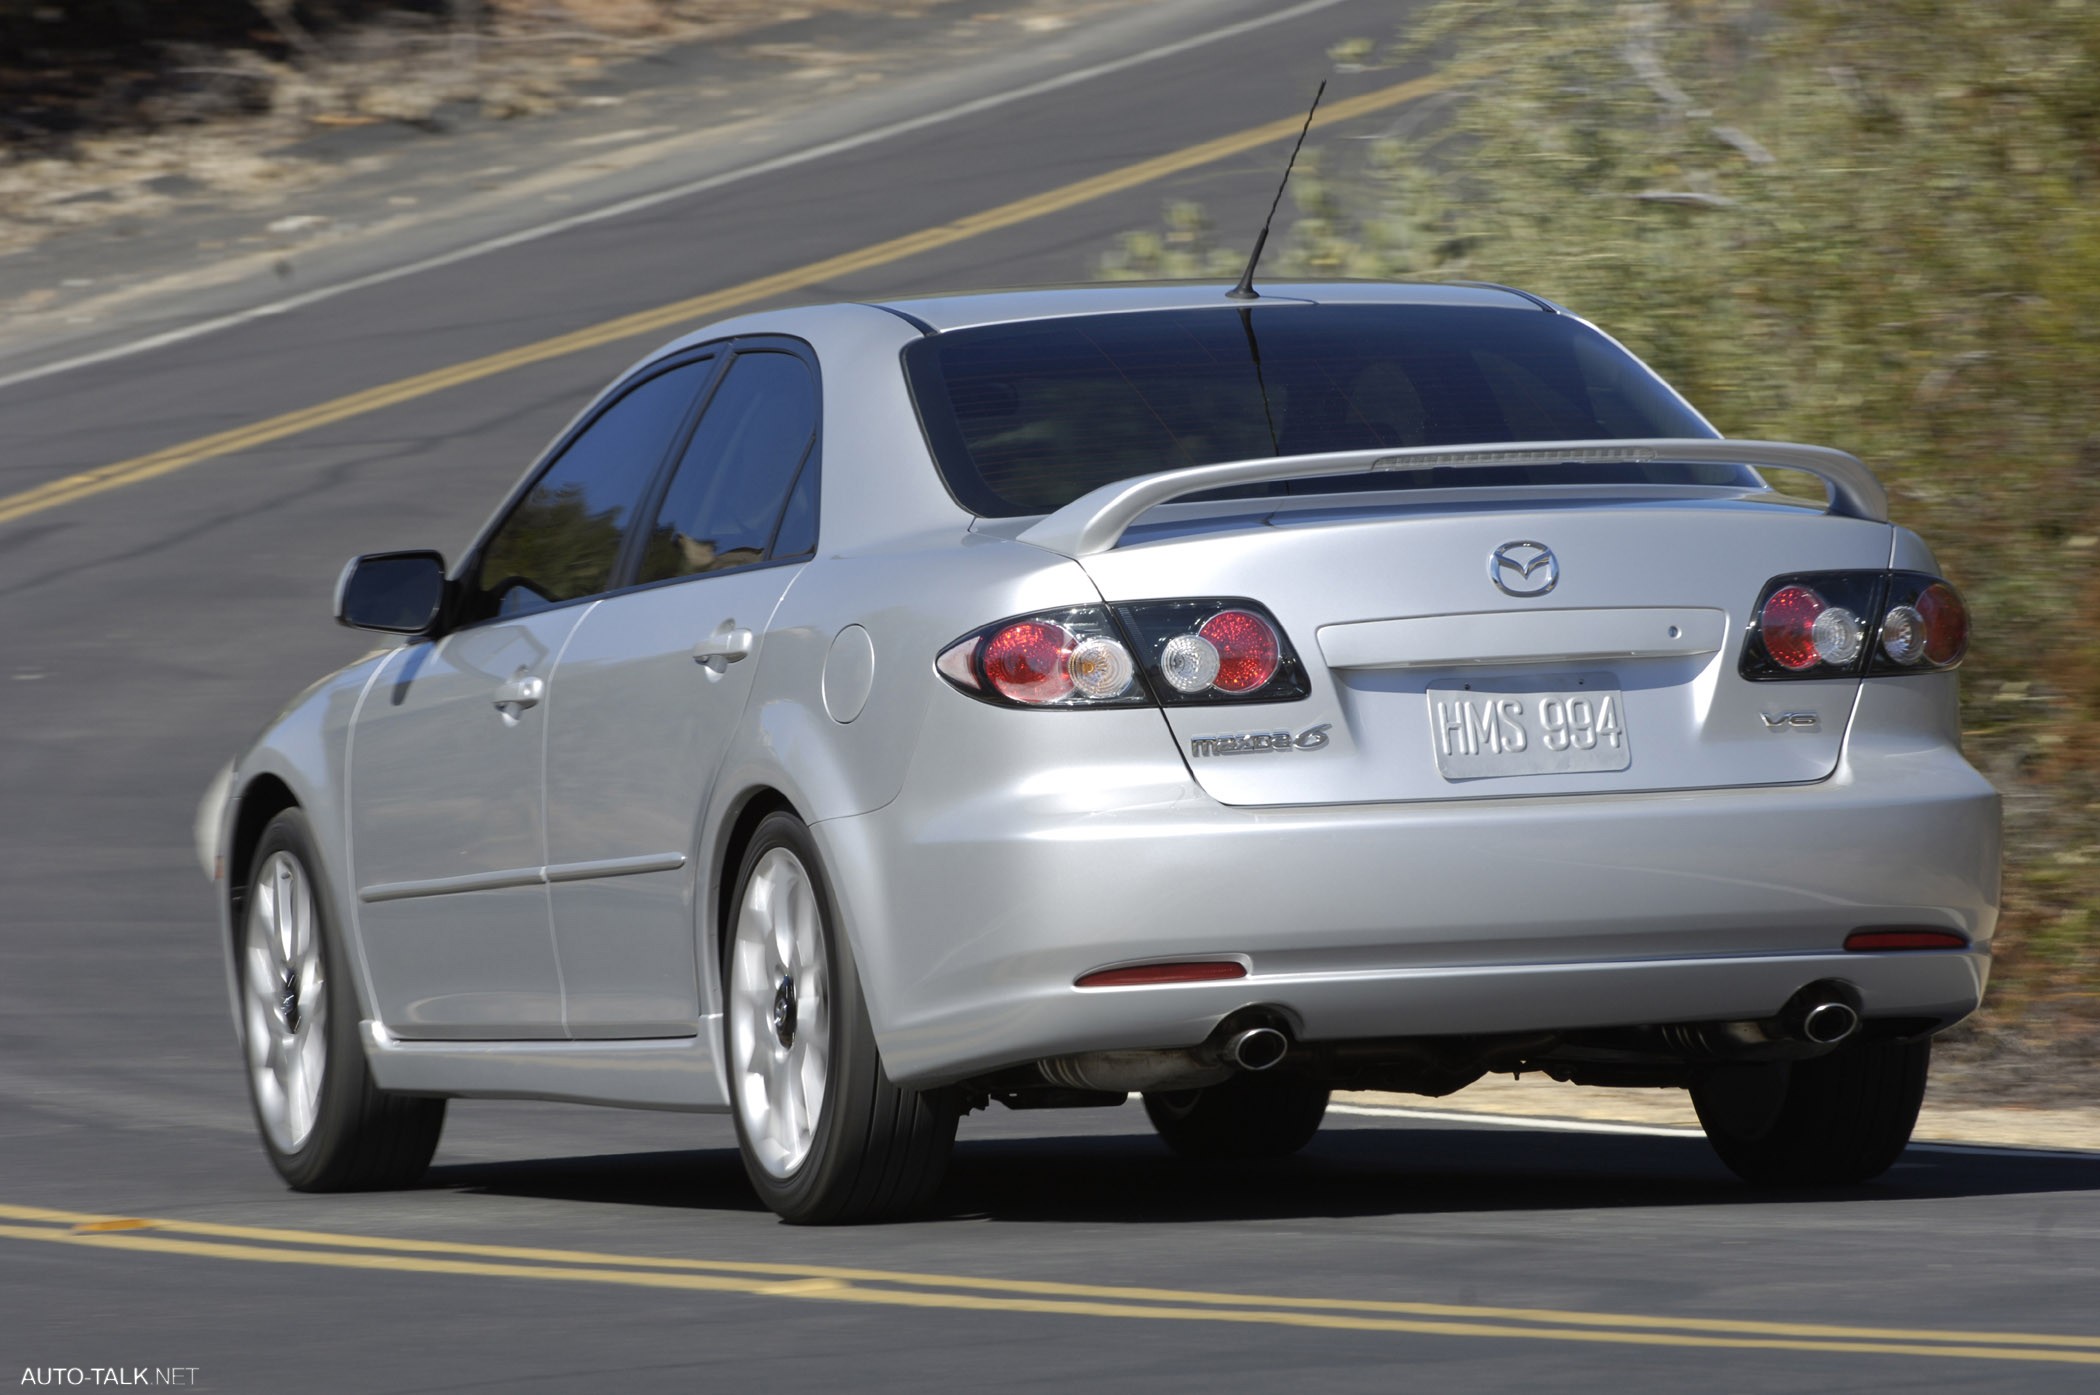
[[1835, 1119], [826, 1138], [1253, 1115], [325, 1126]]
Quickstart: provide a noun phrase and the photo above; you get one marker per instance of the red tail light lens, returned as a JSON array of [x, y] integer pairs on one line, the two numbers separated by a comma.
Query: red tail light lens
[[1025, 662], [1946, 624], [1248, 650], [1787, 624]]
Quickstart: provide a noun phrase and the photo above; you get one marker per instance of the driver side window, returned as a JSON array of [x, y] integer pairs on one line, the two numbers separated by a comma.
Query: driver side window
[[562, 540]]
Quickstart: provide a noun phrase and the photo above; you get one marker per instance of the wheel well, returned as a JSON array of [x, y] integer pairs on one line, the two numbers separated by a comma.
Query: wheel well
[[261, 799], [757, 804]]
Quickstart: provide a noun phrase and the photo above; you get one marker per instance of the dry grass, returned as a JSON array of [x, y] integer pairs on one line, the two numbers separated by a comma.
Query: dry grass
[[131, 136]]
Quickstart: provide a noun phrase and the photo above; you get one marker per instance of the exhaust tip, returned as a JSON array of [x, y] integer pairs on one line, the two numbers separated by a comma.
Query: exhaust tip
[[1827, 1024], [1257, 1048]]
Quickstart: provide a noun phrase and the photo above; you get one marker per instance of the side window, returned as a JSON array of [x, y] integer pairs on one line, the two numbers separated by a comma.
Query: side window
[[561, 540], [736, 475]]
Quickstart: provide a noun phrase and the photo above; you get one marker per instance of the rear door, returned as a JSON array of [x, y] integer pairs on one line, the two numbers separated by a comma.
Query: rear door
[[650, 690], [1442, 669]]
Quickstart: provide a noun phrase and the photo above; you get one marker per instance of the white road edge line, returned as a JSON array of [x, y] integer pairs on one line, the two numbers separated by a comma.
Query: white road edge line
[[1520, 1121], [671, 195], [1512, 1121]]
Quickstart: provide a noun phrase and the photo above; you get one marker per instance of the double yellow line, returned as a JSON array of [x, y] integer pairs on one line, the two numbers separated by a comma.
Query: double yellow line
[[697, 309], [894, 1288]]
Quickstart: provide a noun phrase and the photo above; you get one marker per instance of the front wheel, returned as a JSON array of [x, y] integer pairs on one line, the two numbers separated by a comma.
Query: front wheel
[[1827, 1121], [1253, 1115], [826, 1138], [324, 1125]]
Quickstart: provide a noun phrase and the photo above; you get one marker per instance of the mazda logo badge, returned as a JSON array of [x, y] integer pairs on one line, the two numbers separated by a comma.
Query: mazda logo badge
[[1523, 569]]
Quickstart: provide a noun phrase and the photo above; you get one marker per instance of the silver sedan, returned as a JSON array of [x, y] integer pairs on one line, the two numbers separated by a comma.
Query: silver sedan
[[868, 713]]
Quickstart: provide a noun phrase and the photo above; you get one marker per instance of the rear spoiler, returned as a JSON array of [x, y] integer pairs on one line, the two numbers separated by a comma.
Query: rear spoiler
[[1095, 521]]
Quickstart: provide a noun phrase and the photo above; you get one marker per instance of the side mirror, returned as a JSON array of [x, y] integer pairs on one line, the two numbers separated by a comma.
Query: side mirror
[[398, 592]]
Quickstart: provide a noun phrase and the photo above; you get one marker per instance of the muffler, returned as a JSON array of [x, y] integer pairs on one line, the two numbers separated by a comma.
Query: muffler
[[1816, 1019], [1233, 1047]]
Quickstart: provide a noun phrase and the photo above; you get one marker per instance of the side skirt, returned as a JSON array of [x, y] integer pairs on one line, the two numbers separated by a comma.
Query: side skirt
[[679, 1073]]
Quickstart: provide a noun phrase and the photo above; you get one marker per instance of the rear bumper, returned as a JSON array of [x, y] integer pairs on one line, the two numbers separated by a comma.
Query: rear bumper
[[972, 917]]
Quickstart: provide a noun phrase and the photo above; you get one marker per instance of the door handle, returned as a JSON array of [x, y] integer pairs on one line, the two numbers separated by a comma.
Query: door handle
[[519, 693], [727, 645]]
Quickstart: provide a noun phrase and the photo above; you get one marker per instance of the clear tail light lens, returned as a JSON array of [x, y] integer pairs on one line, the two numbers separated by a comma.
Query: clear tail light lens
[[1100, 668], [1841, 624], [1903, 635], [1181, 651], [1189, 663]]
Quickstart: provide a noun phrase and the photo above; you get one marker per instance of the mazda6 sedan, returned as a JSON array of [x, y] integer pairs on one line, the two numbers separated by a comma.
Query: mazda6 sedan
[[868, 713]]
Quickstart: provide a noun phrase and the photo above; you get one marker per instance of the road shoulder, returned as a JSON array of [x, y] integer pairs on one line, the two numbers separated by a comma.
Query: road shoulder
[[1942, 1121]]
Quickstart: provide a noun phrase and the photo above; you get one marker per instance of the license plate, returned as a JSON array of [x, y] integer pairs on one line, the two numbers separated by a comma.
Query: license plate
[[1513, 728]]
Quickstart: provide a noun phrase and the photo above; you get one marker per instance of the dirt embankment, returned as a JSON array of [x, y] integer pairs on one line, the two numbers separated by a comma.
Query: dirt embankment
[[112, 110]]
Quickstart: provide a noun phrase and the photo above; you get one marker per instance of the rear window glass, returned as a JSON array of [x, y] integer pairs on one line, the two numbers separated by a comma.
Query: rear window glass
[[1024, 418]]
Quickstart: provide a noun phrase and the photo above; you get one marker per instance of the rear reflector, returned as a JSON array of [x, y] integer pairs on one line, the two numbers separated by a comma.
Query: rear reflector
[[1136, 975], [1904, 939]]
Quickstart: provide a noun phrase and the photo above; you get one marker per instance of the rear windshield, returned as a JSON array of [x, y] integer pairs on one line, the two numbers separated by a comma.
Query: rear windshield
[[1024, 418]]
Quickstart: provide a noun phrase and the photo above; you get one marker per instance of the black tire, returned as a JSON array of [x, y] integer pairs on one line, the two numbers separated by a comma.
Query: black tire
[[360, 1138], [877, 1151], [1265, 1114], [1830, 1121]]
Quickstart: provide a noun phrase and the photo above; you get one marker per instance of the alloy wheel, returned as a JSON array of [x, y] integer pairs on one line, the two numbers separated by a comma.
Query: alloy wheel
[[284, 1002], [779, 1012]]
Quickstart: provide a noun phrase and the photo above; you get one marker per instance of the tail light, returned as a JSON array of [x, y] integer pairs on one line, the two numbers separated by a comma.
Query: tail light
[[1065, 658], [1214, 650], [1842, 624], [1174, 652]]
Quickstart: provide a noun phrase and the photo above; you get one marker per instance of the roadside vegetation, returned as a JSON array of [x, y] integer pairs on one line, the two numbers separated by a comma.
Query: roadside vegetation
[[1869, 226]]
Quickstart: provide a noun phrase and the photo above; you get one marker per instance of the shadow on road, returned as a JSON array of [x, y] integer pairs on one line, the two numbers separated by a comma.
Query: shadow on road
[[1345, 1172]]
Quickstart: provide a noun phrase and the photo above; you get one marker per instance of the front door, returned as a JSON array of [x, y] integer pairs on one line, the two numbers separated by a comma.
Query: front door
[[447, 837], [651, 691], [447, 755]]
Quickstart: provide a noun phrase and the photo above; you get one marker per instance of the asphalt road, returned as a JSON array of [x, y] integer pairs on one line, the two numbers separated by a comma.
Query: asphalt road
[[153, 624]]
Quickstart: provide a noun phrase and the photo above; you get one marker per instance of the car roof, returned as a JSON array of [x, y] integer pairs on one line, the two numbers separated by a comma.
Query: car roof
[[951, 312]]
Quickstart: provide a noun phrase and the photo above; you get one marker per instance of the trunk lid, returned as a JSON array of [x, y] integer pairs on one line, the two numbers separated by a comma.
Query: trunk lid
[[1431, 682]]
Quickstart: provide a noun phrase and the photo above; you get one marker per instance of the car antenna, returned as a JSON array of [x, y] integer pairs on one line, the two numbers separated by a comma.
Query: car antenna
[[1245, 289]]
